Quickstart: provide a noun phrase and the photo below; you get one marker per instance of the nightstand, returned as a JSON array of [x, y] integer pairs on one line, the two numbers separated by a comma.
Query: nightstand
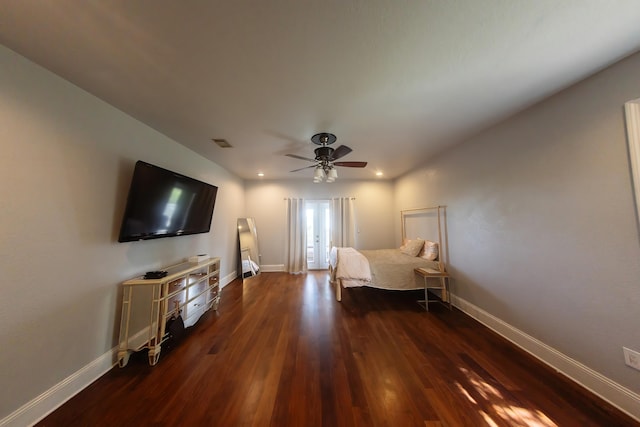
[[443, 276]]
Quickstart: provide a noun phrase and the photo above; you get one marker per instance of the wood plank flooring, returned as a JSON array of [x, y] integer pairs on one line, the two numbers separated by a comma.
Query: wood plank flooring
[[282, 352]]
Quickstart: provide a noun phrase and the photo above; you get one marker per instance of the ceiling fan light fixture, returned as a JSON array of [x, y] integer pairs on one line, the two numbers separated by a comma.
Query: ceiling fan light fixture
[[319, 174], [326, 158]]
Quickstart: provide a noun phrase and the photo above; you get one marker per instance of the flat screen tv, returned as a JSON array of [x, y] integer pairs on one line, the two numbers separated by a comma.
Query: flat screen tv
[[162, 203]]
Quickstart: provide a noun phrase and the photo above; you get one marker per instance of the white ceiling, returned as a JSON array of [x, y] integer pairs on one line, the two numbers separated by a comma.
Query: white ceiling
[[397, 81]]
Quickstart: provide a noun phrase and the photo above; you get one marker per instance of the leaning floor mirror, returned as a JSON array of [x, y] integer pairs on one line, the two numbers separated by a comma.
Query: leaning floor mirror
[[249, 255]]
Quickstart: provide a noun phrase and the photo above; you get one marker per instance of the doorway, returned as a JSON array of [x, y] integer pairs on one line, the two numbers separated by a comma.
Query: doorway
[[318, 234]]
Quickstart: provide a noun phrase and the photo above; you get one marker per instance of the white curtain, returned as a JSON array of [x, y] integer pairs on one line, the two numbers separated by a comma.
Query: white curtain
[[295, 245], [343, 222]]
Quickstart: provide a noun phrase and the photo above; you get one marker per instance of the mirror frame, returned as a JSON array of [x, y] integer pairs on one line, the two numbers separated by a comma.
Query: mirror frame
[[249, 255], [632, 116]]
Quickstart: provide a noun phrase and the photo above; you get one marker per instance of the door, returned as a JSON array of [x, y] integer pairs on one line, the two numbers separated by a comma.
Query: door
[[318, 234]]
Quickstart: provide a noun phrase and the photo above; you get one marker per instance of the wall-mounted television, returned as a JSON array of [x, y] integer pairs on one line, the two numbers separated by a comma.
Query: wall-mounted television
[[162, 203]]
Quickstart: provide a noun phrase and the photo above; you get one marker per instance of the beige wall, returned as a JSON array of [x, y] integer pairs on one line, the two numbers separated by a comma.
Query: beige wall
[[65, 166], [374, 211], [541, 221]]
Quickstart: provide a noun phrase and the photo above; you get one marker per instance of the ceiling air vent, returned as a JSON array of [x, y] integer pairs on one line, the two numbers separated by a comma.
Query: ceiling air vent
[[222, 143]]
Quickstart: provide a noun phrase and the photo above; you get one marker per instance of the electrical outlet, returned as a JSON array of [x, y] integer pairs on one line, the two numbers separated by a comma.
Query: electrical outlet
[[631, 358]]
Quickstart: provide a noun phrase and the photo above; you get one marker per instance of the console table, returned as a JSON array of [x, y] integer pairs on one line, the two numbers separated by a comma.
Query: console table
[[147, 305]]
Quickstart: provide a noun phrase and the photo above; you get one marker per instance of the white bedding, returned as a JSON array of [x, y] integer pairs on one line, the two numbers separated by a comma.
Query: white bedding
[[249, 267], [381, 268], [353, 265]]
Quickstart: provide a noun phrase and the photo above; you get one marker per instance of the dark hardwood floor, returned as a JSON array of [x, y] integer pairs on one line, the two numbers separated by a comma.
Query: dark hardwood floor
[[282, 352]]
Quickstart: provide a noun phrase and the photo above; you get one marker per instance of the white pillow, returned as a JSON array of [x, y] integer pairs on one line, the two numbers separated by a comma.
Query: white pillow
[[412, 247], [429, 251]]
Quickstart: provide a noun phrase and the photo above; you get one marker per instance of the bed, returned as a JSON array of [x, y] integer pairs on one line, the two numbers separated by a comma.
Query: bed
[[393, 269]]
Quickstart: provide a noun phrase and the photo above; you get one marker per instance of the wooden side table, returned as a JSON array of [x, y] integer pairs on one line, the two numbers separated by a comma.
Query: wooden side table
[[430, 273]]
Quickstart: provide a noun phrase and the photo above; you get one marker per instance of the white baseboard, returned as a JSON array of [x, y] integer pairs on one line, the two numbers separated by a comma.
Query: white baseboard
[[41, 406], [272, 268], [228, 279], [38, 408], [620, 397]]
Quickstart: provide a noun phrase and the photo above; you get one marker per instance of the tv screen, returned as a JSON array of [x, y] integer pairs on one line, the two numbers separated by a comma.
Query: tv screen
[[162, 203]]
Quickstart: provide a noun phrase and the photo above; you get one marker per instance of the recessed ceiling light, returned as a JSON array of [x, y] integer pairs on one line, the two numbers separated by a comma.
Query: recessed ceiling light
[[379, 173], [260, 174]]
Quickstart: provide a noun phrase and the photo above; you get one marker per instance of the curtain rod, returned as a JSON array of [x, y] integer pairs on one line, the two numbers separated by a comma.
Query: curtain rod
[[352, 198]]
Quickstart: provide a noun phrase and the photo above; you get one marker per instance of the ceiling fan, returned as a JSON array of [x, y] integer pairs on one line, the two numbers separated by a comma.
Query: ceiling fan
[[326, 157]]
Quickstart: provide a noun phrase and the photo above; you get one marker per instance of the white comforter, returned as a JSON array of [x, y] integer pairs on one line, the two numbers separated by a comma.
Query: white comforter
[[352, 265]]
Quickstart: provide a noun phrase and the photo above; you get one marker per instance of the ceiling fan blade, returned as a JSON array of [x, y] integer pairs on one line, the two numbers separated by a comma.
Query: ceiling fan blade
[[351, 164], [306, 167], [341, 151], [300, 157]]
